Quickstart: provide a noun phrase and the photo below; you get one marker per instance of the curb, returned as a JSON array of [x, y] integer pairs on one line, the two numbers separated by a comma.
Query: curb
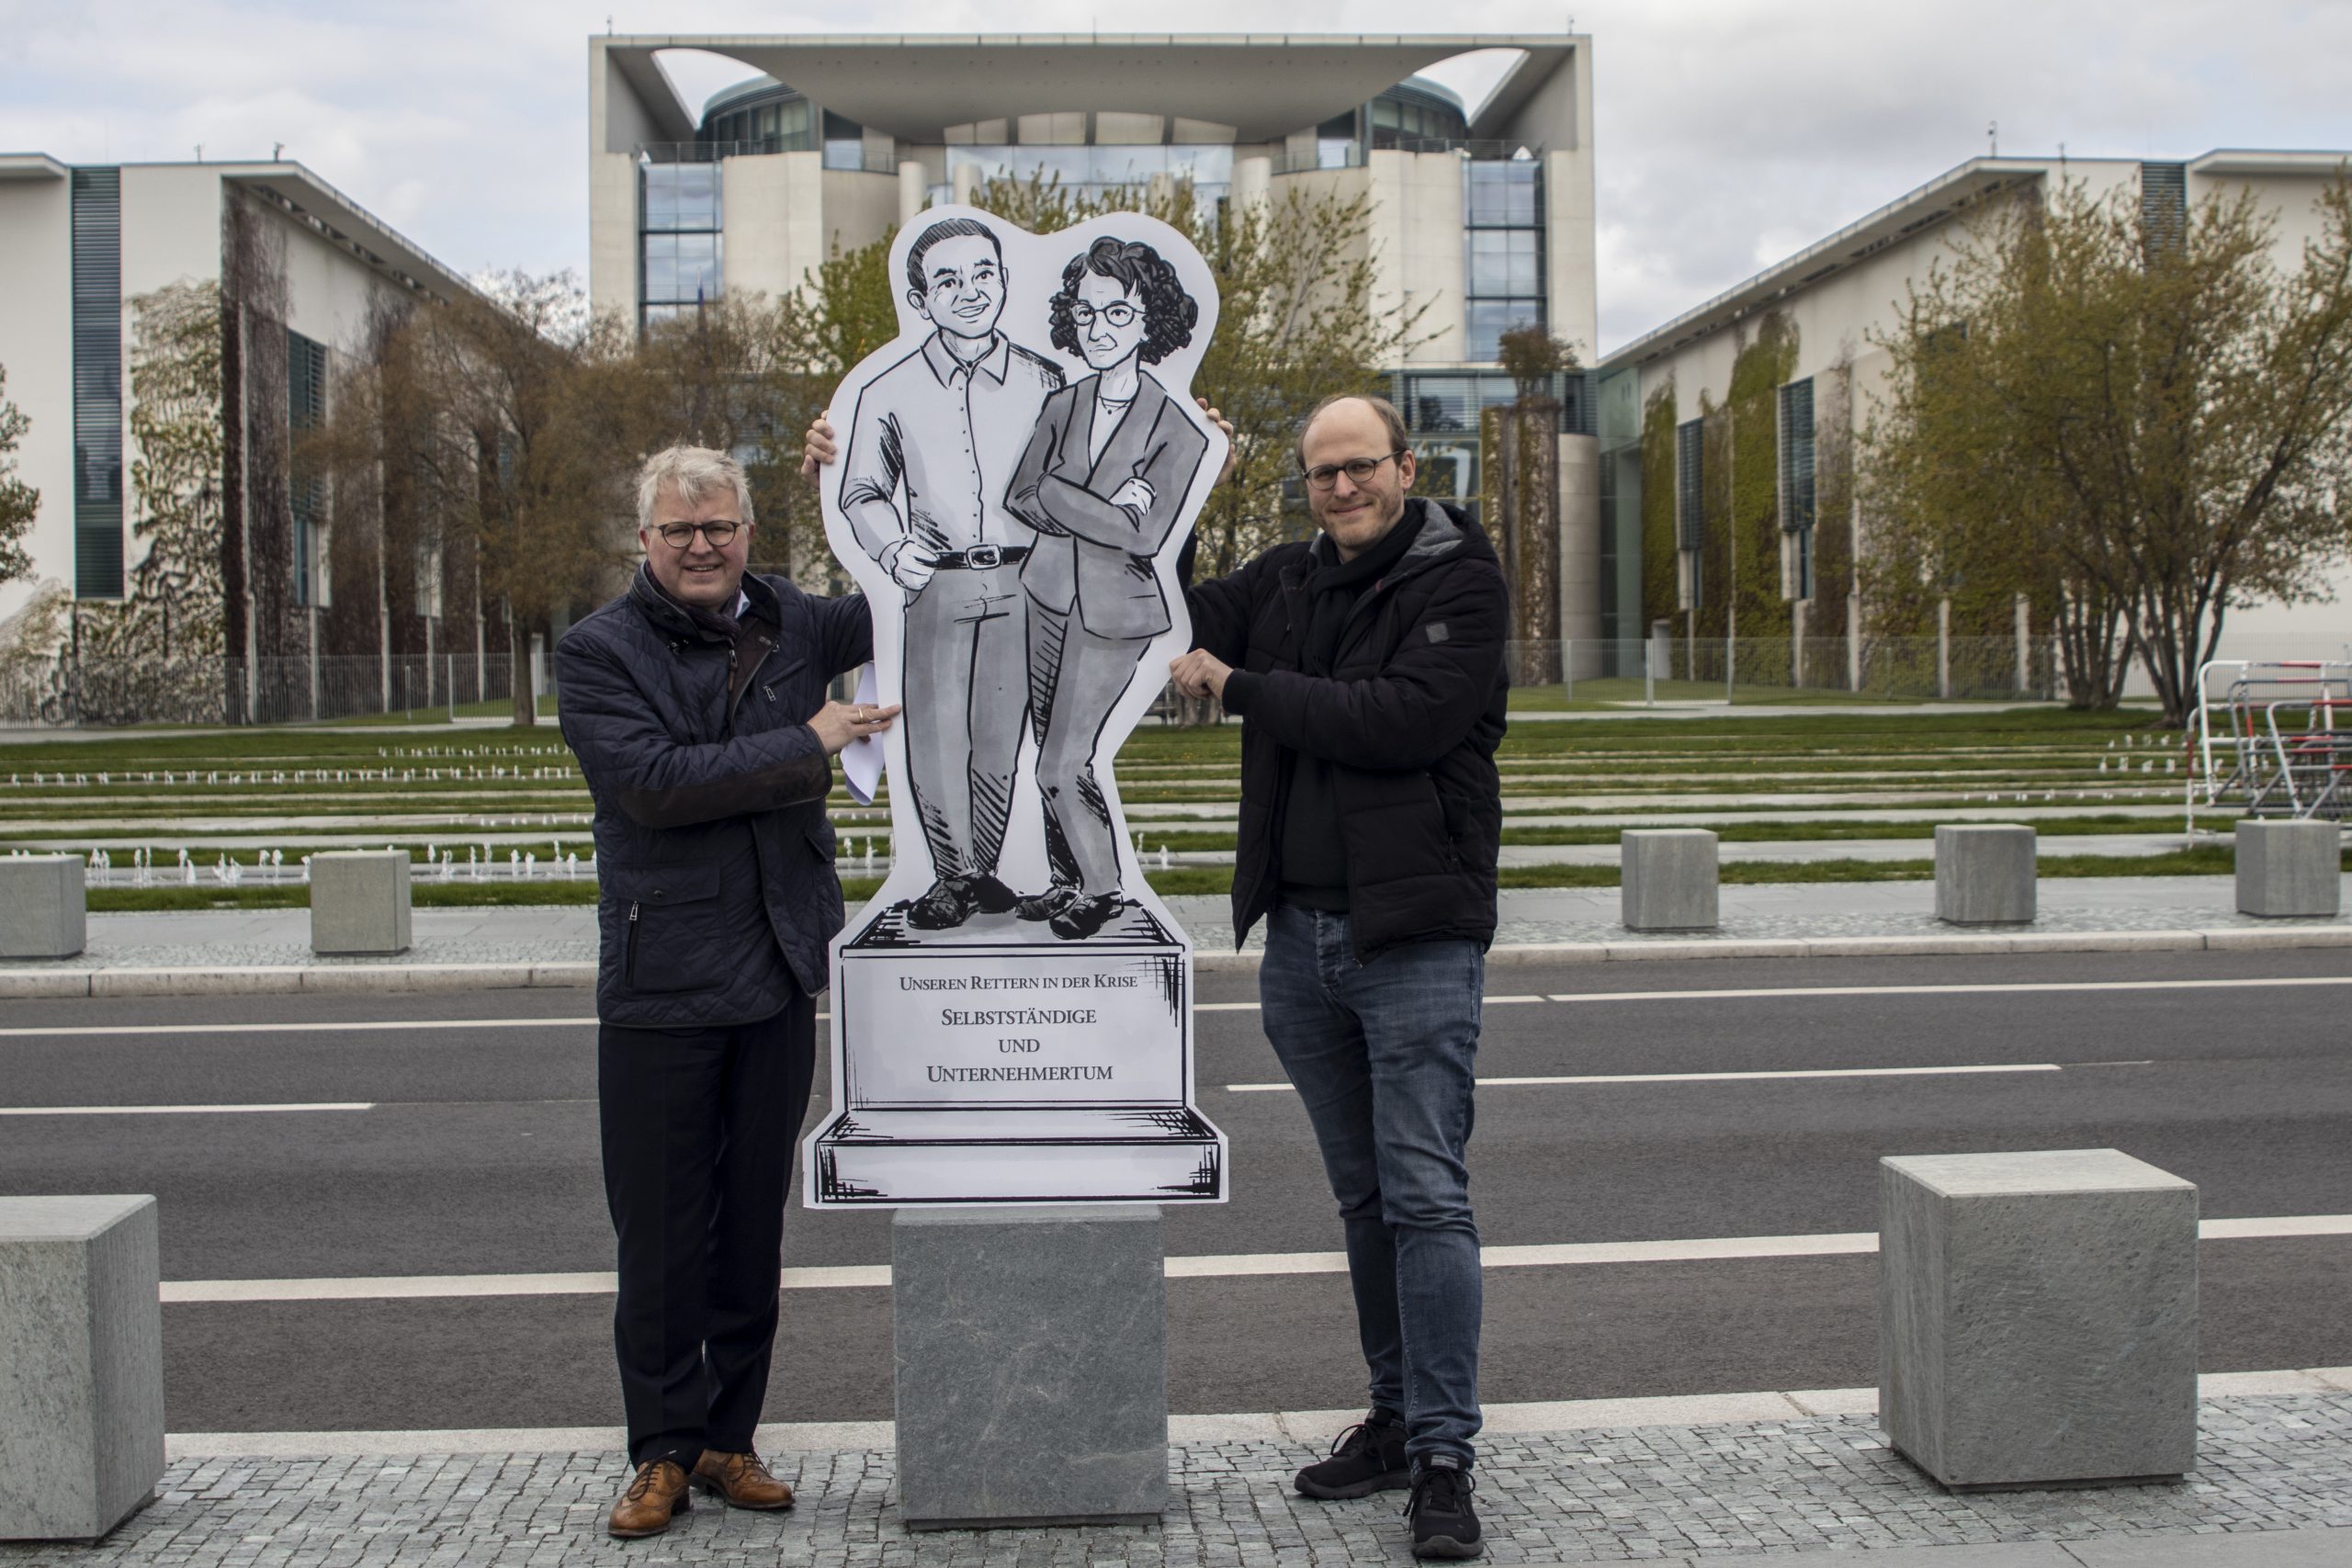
[[360, 978]]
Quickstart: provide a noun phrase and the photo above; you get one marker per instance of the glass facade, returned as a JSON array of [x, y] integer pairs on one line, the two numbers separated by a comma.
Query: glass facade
[[96, 218], [1689, 503], [786, 122], [306, 409], [1502, 219], [680, 217], [1100, 170]]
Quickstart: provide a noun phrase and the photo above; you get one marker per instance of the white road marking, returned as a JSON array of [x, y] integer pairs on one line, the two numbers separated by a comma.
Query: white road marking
[[1721, 1077], [181, 1110], [1989, 988], [1838, 1243]]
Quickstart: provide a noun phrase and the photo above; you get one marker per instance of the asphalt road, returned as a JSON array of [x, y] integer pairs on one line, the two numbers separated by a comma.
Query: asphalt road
[[477, 1157]]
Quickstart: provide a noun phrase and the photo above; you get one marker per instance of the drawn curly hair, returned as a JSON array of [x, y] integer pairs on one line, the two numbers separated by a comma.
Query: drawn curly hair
[[1149, 277]]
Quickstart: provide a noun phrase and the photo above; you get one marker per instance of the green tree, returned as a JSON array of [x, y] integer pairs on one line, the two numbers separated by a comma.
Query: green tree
[[2151, 420], [18, 501]]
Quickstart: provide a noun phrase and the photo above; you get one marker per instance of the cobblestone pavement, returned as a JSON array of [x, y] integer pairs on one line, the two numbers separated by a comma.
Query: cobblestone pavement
[[2276, 1463]]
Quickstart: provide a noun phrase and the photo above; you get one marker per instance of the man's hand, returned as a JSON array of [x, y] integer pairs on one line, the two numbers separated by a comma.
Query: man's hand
[[907, 566], [1214, 418], [817, 448], [838, 724], [1135, 492], [1200, 673]]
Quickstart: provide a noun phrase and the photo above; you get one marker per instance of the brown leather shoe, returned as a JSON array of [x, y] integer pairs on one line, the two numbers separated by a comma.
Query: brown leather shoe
[[657, 1491], [742, 1479]]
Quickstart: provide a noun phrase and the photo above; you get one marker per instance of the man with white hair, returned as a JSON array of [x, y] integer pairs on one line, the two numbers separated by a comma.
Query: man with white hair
[[695, 702]]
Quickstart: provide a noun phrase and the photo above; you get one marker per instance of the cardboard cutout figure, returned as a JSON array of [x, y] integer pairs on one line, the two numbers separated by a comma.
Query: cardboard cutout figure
[[1012, 1010]]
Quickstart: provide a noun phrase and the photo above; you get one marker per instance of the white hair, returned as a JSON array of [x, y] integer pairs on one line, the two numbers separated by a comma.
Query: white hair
[[694, 472]]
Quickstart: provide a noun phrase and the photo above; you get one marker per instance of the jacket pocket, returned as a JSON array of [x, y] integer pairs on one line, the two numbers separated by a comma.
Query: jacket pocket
[[669, 928]]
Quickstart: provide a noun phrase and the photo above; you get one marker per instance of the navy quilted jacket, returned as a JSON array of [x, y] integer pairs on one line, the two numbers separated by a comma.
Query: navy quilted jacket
[[714, 856]]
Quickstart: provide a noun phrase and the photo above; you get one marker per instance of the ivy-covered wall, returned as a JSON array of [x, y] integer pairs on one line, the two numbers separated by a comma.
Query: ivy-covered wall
[[1659, 599], [1752, 499]]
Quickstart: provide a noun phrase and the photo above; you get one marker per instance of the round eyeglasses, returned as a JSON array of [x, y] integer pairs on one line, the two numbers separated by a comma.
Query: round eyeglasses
[[720, 531], [1323, 476], [1119, 314]]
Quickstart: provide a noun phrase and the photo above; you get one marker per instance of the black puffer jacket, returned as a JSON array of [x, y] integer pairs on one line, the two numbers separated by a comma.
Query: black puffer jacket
[[714, 855], [1409, 720]]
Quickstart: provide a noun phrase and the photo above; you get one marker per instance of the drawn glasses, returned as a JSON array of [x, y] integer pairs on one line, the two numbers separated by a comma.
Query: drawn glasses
[[1118, 314], [720, 531], [1323, 476]]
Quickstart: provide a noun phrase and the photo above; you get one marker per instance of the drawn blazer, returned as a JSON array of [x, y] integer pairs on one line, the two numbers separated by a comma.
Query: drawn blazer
[[1092, 558]]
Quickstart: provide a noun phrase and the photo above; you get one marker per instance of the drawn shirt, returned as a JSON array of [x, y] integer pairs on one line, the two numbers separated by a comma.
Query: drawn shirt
[[934, 443]]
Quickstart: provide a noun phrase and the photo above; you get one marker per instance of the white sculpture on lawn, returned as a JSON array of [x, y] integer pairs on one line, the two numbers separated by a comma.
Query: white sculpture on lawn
[[1011, 1012]]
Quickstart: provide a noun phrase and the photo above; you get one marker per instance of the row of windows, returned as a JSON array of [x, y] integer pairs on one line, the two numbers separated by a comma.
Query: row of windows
[[680, 249], [1502, 219], [679, 197], [1793, 415], [306, 408], [1210, 168], [96, 219]]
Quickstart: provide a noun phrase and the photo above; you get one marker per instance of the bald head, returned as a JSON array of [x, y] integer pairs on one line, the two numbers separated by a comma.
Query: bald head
[[1356, 514]]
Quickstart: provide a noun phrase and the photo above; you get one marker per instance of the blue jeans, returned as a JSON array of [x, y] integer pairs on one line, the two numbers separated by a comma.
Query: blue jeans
[[1382, 1056]]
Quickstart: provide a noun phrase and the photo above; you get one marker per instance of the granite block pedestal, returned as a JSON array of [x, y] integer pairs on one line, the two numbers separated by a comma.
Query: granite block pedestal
[[1985, 874], [359, 903], [81, 1365], [2036, 1317], [1032, 1348], [2290, 868], [1667, 880], [43, 906]]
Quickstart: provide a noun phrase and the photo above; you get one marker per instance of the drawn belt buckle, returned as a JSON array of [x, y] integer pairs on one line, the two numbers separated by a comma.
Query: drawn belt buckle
[[981, 558]]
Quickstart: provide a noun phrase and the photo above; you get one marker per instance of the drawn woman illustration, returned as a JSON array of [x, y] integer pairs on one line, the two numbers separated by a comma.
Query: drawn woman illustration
[[1104, 484]]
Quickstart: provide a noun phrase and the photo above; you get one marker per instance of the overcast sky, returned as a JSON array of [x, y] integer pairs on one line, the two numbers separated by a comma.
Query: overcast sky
[[1728, 135]]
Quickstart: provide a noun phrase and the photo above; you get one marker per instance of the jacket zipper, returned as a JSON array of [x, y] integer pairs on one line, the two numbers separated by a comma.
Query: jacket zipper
[[628, 968]]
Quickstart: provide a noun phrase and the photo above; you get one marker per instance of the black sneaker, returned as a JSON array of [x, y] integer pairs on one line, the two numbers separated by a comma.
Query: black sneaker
[[1443, 1522], [1368, 1457]]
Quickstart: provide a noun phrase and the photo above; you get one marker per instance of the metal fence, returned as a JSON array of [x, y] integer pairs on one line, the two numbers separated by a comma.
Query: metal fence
[[1917, 669], [73, 691]]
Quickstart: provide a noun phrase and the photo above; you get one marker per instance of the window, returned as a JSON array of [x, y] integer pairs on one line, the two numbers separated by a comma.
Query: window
[[306, 405], [1502, 214], [96, 219], [680, 243], [1690, 513], [844, 143], [1796, 484]]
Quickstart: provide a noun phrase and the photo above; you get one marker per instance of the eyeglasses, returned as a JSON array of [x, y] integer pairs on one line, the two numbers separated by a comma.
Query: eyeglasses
[[720, 531], [1323, 476], [1119, 314]]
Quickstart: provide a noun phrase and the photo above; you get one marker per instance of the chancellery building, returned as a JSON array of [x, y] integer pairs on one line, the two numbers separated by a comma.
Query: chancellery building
[[1482, 214]]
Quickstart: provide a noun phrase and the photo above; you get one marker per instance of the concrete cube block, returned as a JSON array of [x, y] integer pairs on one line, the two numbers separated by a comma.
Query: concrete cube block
[[359, 902], [1666, 880], [1985, 874], [81, 1365], [1032, 1365], [43, 906], [2290, 868], [2037, 1316]]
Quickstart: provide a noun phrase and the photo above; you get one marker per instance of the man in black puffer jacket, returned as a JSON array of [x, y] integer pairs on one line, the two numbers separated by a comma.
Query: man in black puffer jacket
[[1366, 667], [695, 702]]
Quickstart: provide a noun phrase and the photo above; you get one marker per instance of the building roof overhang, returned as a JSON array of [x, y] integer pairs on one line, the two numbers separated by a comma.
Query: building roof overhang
[[306, 198], [31, 166], [915, 85]]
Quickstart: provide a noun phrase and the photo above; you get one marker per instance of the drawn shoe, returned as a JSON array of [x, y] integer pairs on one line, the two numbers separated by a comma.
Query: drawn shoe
[[1368, 1457], [952, 900], [1047, 905], [656, 1494], [1083, 917], [1444, 1525]]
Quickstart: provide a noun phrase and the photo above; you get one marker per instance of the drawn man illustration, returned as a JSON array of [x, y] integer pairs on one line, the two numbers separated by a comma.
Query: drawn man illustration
[[930, 453], [1103, 482]]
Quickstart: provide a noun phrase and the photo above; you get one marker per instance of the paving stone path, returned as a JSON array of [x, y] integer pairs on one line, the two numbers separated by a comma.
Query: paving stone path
[[1671, 1494]]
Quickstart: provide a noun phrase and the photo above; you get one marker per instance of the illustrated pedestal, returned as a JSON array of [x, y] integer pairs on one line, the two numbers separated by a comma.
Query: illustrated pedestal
[[1013, 1071]]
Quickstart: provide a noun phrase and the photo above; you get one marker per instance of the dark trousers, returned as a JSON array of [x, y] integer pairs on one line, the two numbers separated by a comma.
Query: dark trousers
[[699, 1128]]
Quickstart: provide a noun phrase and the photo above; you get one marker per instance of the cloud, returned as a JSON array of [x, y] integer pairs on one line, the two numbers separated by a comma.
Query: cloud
[[1726, 134]]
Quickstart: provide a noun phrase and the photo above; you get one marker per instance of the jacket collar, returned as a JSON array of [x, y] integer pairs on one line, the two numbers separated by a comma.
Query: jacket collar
[[671, 619]]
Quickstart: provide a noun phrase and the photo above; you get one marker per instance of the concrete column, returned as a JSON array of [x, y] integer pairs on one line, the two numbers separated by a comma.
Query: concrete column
[[1579, 563], [967, 180], [1943, 648], [2290, 868], [913, 190], [2037, 1316], [1032, 1352], [1985, 874], [43, 907], [2024, 611], [1254, 184], [81, 1365], [1853, 642]]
